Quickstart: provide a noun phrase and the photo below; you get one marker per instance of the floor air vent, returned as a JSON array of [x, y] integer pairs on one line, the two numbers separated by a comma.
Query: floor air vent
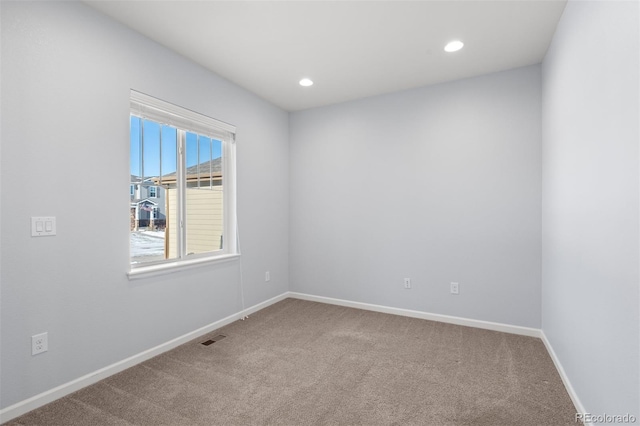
[[213, 340]]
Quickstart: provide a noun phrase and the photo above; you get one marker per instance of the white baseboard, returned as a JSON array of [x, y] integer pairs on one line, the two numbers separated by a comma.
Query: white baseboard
[[487, 325], [51, 395], [563, 375]]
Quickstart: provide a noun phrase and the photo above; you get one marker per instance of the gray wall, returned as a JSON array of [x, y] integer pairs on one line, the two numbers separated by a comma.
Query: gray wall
[[590, 202], [438, 184], [66, 76]]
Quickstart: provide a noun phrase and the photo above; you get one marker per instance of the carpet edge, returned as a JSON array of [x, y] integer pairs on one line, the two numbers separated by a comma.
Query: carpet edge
[[449, 319], [563, 376]]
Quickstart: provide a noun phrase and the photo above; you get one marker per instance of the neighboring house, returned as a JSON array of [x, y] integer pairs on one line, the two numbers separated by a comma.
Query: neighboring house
[[153, 203], [204, 210], [148, 204]]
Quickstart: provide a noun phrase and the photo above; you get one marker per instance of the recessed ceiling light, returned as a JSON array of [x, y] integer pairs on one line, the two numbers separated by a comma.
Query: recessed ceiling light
[[453, 46], [306, 82]]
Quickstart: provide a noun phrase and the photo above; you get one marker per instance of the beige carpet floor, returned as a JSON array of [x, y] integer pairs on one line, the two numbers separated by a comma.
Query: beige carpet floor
[[305, 363]]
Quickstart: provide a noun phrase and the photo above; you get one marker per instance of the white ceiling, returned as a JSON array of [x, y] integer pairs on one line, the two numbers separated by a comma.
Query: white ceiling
[[350, 49]]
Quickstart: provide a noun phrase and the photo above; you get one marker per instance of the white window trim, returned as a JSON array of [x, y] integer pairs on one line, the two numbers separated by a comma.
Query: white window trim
[[155, 109], [148, 107], [177, 266]]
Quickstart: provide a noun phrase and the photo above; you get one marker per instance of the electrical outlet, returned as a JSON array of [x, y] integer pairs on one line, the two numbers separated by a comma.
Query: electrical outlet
[[39, 343], [407, 283], [267, 276], [454, 288]]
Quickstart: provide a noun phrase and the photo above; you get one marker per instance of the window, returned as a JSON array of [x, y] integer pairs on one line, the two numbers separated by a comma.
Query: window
[[185, 162], [132, 190]]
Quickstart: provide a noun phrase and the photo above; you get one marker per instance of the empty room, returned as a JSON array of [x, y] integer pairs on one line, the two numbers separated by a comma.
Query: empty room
[[340, 212]]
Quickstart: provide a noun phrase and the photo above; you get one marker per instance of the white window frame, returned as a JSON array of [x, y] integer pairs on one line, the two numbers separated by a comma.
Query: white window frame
[[148, 107], [155, 192]]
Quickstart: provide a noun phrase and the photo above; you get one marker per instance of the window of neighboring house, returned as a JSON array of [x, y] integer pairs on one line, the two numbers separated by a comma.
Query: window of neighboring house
[[132, 190], [192, 158]]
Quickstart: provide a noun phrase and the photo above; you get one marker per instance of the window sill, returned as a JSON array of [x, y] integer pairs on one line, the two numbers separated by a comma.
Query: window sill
[[171, 267]]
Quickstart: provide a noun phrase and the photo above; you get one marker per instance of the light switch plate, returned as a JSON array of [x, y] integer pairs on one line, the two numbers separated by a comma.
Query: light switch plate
[[43, 226]]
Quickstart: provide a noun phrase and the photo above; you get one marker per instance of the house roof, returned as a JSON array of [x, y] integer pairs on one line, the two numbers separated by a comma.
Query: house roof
[[144, 200], [204, 167], [136, 179], [205, 170], [215, 165]]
